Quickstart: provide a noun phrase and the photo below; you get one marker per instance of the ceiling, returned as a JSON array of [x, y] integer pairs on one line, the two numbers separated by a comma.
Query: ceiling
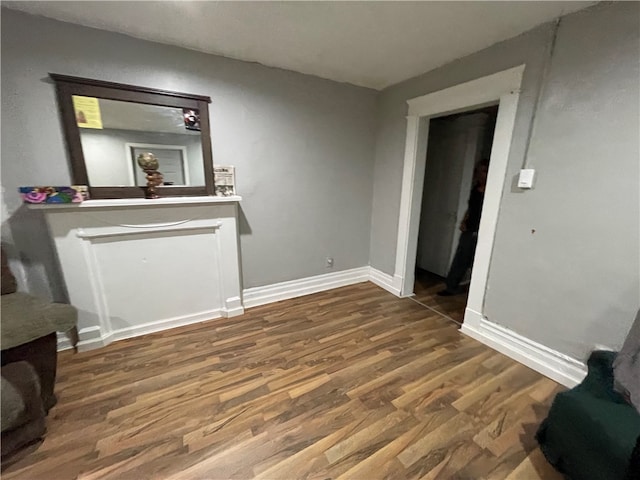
[[371, 44]]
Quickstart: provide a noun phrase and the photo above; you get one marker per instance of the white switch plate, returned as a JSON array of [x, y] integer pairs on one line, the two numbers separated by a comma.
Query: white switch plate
[[526, 178]]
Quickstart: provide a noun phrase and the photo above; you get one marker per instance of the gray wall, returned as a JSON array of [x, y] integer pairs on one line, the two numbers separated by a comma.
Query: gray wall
[[309, 161], [575, 282], [302, 146]]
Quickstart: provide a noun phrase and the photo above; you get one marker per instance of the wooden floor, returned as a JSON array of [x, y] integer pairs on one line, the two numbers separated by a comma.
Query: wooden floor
[[426, 291], [353, 383]]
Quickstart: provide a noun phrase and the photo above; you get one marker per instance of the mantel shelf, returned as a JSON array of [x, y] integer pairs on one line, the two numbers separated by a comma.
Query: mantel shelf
[[136, 202]]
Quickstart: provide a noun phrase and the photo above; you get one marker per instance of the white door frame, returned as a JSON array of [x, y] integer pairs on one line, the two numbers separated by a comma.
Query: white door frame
[[503, 87]]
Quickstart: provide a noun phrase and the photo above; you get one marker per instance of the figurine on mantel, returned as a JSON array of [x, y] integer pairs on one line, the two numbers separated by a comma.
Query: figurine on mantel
[[149, 163]]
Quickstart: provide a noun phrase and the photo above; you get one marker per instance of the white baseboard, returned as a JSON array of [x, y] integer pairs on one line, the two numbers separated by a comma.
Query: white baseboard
[[166, 324], [551, 363], [93, 337], [384, 280], [232, 307], [88, 339], [555, 365], [471, 317], [232, 312], [63, 341], [305, 286]]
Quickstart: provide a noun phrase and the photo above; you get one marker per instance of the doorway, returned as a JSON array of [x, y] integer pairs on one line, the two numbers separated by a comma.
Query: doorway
[[502, 87], [457, 144]]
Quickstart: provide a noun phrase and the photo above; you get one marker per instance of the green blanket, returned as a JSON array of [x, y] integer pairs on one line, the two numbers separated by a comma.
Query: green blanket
[[591, 431]]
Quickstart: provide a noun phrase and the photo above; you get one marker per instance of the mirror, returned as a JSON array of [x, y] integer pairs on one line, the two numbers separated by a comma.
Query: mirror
[[126, 130], [108, 126]]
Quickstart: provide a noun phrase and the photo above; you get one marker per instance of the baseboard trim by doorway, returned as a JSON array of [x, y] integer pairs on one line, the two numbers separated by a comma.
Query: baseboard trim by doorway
[[559, 367], [384, 280]]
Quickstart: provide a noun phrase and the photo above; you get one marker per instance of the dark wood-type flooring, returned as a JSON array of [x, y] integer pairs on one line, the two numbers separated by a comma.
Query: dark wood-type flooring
[[426, 288], [352, 383]]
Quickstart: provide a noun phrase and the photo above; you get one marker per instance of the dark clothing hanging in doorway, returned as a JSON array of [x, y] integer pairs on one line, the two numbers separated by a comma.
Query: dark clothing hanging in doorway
[[474, 210], [462, 261]]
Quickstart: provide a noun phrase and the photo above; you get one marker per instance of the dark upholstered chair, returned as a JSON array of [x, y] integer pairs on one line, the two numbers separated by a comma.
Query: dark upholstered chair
[[22, 411], [29, 358]]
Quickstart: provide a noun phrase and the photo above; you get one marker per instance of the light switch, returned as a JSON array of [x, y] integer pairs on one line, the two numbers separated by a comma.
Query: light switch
[[526, 178]]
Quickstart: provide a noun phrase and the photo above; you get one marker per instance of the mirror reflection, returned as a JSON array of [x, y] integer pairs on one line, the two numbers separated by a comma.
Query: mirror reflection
[[114, 133]]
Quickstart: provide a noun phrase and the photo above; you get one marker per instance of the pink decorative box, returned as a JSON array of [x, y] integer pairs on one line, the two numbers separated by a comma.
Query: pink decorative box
[[72, 194]]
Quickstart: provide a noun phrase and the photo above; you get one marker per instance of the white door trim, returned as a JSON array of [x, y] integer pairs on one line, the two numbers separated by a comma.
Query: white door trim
[[503, 87]]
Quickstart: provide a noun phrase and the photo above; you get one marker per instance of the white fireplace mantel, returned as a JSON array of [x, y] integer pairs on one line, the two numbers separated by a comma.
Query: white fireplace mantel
[[136, 202], [136, 266]]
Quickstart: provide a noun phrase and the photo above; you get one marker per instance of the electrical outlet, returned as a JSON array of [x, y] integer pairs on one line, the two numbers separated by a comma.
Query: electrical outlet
[[329, 262]]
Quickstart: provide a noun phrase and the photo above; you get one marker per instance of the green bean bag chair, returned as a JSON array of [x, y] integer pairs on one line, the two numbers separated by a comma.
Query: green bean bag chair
[[591, 431]]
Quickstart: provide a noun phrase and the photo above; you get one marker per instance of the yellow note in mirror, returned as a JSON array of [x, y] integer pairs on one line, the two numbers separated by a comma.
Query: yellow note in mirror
[[87, 111]]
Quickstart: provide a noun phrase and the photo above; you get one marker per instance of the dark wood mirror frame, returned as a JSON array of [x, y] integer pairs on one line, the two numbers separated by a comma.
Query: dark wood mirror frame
[[67, 86]]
